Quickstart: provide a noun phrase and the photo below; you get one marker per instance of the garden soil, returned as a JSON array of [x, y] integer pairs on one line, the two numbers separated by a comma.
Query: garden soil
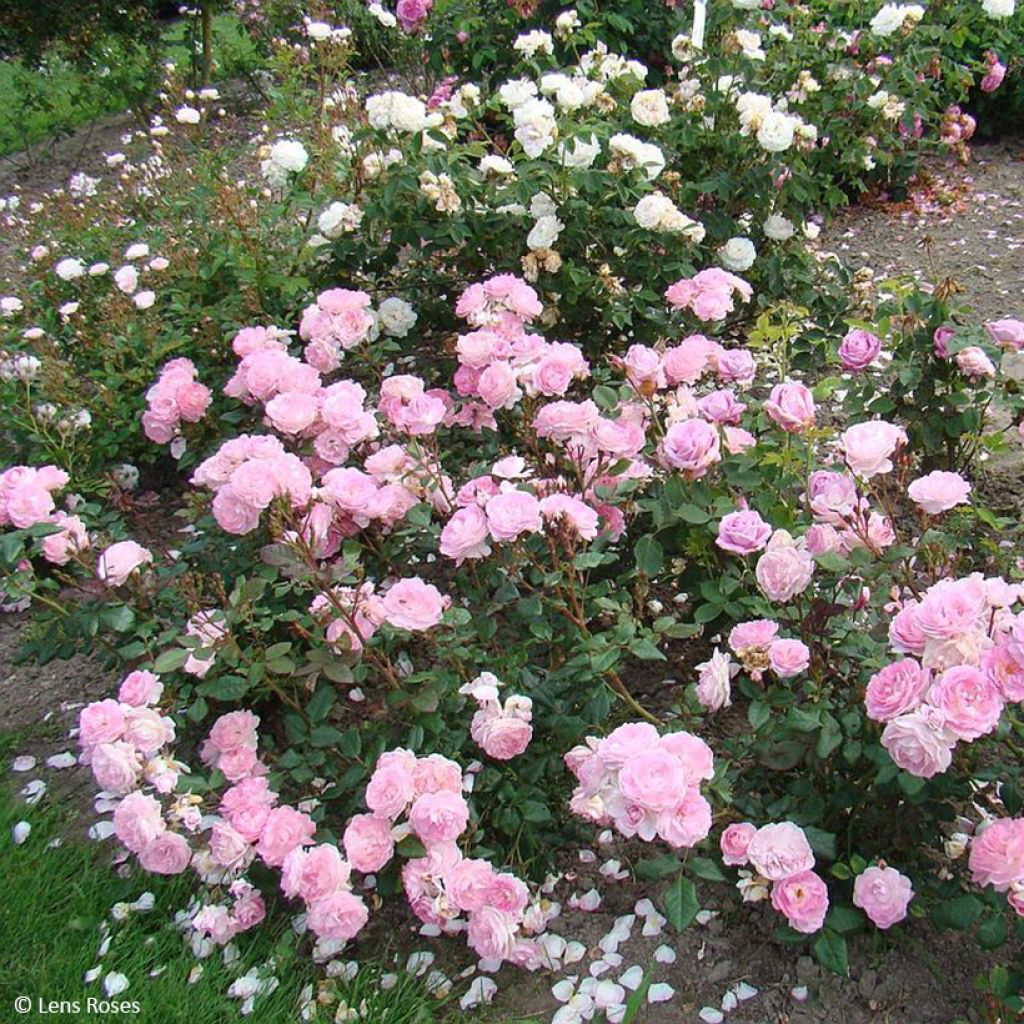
[[967, 223]]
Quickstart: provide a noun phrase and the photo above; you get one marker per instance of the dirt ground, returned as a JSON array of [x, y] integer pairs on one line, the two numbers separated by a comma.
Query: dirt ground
[[969, 223]]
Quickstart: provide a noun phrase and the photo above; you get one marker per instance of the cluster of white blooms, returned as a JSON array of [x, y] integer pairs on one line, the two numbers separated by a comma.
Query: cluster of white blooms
[[494, 166], [999, 8], [608, 67], [383, 16], [82, 186], [656, 212], [778, 228], [338, 219], [890, 107], [547, 227], [23, 367], [571, 92], [284, 158], [566, 24], [536, 128], [632, 152], [775, 129], [892, 17], [531, 43], [581, 152], [322, 32], [649, 107], [749, 44], [374, 164], [396, 317], [440, 190], [400, 111]]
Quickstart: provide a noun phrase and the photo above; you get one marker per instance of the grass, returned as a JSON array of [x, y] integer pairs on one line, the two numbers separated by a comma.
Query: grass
[[57, 97], [55, 901]]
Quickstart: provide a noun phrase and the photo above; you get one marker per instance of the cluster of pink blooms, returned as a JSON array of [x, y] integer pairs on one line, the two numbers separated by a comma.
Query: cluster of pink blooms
[[339, 320], [995, 72], [709, 293], [778, 854], [412, 14], [964, 660], [843, 517], [176, 396], [644, 784], [500, 361], [26, 499], [443, 885], [997, 859], [501, 730]]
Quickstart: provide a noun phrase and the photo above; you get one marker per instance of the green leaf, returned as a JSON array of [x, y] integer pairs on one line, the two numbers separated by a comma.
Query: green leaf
[[822, 843], [706, 868], [646, 650], [830, 951], [758, 713], [119, 618], [652, 868], [993, 932], [692, 514], [410, 847], [170, 660], [229, 688], [680, 903], [535, 811], [325, 736], [320, 703], [844, 920], [958, 913], [650, 555]]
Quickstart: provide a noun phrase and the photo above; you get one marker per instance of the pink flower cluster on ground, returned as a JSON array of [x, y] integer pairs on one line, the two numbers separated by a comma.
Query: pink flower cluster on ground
[[781, 855], [964, 660], [442, 885], [643, 784], [709, 293], [176, 396], [502, 730]]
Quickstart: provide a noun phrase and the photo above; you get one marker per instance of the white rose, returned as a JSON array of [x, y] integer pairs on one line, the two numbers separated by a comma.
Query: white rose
[[778, 228], [515, 93], [70, 268], [496, 166], [126, 278], [738, 254], [582, 154], [397, 317], [318, 30], [651, 210], [999, 8], [811, 230], [289, 155], [187, 115], [650, 108], [776, 132], [531, 43], [746, 5], [542, 205], [339, 218], [545, 232]]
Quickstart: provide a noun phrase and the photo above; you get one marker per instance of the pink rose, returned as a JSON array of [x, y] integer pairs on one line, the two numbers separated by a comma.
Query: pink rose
[[627, 740], [653, 779], [436, 774], [390, 790], [743, 533], [339, 916], [59, 548], [869, 447], [997, 854], [803, 898], [284, 830], [314, 873], [858, 350], [919, 743], [115, 766], [498, 386], [120, 560], [28, 504], [1005, 672], [167, 854], [140, 688], [688, 823], [439, 817], [147, 730], [784, 571], [883, 894], [248, 911], [501, 736], [940, 341], [100, 722], [895, 690], [734, 842], [714, 681], [491, 933], [939, 491], [974, 362], [228, 846], [413, 605], [971, 702], [691, 446], [513, 513], [780, 851], [1007, 333], [696, 756], [368, 842], [788, 658], [138, 820], [469, 884], [791, 406]]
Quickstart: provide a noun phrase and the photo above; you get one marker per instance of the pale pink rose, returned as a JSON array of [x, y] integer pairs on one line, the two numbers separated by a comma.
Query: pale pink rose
[[498, 386], [788, 658], [743, 533], [233, 514], [513, 513], [439, 817], [721, 407], [561, 421], [1005, 672], [939, 491], [691, 446], [368, 843], [803, 898], [491, 933], [883, 893], [314, 873], [147, 730], [339, 916], [115, 766], [248, 911], [653, 779], [292, 412], [507, 893], [413, 605], [974, 362], [233, 730], [905, 634], [390, 790], [140, 688], [714, 681], [895, 690], [832, 497], [100, 722], [120, 560], [697, 759], [791, 406], [919, 743], [28, 504], [737, 440], [869, 447], [469, 884], [688, 823], [167, 854], [970, 701], [642, 365], [780, 851], [59, 548], [435, 774], [215, 922], [734, 365], [228, 846], [284, 830], [756, 635], [784, 571], [1007, 333], [858, 350], [625, 741], [940, 341], [137, 820], [501, 737], [247, 805], [734, 842], [997, 854]]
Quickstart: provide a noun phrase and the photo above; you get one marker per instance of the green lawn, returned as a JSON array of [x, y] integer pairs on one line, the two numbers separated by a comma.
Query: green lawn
[[56, 899], [57, 98]]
